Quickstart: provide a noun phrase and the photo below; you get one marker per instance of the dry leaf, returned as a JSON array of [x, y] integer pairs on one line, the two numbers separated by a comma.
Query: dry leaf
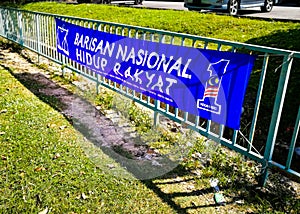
[[110, 166], [57, 155], [3, 111], [194, 204], [39, 169], [62, 127], [150, 151], [2, 133], [83, 196], [190, 187], [240, 202], [45, 211], [50, 125]]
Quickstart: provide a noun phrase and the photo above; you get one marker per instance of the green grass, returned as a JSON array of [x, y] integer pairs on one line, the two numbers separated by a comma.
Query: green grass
[[43, 164], [267, 33]]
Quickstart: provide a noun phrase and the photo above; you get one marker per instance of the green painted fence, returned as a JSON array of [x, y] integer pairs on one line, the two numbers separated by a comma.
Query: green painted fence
[[270, 123]]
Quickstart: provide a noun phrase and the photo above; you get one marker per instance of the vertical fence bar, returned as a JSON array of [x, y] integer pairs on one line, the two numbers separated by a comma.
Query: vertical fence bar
[[221, 131], [97, 83], [156, 114], [234, 137], [197, 121], [5, 20], [21, 42], [37, 35], [278, 105], [157, 102], [293, 141], [258, 99]]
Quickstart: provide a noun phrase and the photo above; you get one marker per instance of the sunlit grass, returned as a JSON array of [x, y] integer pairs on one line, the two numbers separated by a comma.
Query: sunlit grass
[[266, 33]]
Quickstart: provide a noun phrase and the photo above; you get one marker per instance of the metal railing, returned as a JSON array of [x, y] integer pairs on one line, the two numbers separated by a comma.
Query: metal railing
[[37, 32]]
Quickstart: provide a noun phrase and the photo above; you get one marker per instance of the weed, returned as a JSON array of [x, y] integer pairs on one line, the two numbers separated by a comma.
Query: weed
[[105, 100], [140, 118], [43, 66]]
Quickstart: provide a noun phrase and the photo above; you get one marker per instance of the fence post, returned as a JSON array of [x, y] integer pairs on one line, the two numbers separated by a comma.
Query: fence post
[[277, 110], [21, 42], [98, 83], [293, 141], [156, 114], [5, 19], [63, 65]]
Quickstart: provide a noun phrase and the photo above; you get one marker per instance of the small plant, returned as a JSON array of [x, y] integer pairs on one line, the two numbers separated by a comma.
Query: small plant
[[105, 100], [43, 66], [140, 118]]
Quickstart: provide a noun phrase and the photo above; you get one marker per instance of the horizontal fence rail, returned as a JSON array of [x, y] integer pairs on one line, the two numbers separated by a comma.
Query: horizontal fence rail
[[262, 123]]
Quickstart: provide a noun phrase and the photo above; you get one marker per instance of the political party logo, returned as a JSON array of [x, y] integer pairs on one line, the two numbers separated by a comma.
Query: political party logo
[[62, 41], [209, 102]]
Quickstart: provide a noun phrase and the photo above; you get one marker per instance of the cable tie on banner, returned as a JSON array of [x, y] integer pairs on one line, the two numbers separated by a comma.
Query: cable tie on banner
[[276, 69], [265, 166], [290, 56]]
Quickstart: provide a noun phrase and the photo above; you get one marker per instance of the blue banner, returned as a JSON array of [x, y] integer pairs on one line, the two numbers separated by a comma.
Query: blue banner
[[208, 83]]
